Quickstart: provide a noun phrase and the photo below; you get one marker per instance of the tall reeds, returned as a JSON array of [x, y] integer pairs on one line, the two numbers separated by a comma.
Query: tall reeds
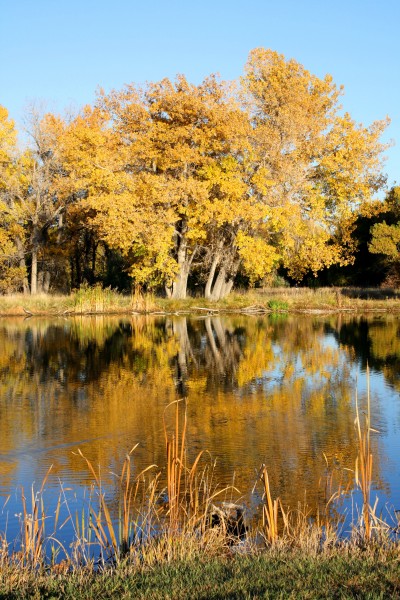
[[33, 527], [190, 490], [269, 510], [363, 467], [116, 537], [175, 450]]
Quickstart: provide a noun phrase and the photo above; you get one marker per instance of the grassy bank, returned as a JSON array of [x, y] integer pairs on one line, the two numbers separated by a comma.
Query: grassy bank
[[274, 574], [105, 301]]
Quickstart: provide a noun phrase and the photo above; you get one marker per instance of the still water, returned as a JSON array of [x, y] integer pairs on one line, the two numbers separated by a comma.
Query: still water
[[275, 390]]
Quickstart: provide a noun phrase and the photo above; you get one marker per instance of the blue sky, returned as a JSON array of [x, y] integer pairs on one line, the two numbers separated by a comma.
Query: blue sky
[[60, 51]]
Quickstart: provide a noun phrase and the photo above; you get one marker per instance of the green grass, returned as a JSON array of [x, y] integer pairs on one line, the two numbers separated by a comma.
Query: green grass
[[95, 300], [268, 575]]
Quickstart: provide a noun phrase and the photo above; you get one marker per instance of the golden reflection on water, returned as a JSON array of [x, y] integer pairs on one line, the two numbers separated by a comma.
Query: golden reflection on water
[[259, 390]]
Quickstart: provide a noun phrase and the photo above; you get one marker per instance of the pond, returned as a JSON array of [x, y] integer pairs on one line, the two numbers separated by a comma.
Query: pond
[[276, 390]]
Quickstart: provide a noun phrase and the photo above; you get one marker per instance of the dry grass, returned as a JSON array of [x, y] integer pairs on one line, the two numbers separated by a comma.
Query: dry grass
[[86, 300], [95, 300]]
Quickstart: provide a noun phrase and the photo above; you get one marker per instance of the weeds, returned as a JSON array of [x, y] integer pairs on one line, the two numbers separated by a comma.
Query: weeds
[[277, 305], [115, 540]]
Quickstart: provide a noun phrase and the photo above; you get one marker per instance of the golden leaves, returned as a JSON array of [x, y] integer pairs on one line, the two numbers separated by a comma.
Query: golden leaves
[[270, 173]]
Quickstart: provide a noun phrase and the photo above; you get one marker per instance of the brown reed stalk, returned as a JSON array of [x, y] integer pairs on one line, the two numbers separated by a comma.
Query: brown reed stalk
[[175, 449], [117, 543], [33, 526], [363, 466], [270, 510], [190, 490]]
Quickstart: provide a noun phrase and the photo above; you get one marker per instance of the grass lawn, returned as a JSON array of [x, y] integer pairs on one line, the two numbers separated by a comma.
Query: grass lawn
[[268, 575]]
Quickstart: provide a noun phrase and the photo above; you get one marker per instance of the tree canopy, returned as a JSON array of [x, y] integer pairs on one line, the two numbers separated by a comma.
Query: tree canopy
[[176, 182]]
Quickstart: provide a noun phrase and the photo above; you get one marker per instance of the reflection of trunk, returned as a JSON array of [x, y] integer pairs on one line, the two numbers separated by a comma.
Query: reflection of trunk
[[214, 349], [224, 346], [184, 352]]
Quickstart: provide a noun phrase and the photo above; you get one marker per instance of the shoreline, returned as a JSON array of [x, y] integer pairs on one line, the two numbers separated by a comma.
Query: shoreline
[[96, 301]]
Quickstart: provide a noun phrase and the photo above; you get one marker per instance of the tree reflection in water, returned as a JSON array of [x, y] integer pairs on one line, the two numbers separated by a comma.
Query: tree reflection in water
[[277, 391]]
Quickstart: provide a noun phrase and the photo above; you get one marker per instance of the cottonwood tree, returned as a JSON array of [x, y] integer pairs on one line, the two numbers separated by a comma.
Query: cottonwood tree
[[14, 183], [161, 170], [182, 145], [385, 236], [313, 166], [42, 205], [30, 205]]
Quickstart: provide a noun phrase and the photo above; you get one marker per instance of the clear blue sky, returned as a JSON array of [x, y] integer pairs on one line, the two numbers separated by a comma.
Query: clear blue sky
[[60, 51]]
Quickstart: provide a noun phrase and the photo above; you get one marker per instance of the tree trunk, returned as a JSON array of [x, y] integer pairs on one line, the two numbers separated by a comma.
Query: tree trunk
[[226, 288], [34, 272], [218, 285], [46, 282], [224, 282], [211, 275], [22, 264], [40, 280], [179, 286]]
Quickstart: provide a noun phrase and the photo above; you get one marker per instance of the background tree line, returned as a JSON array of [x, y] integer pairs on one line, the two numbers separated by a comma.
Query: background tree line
[[177, 186]]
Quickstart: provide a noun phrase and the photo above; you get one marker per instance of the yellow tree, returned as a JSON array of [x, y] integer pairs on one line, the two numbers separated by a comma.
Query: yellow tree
[[42, 206], [180, 147], [13, 186], [30, 205], [313, 166], [88, 164], [183, 197]]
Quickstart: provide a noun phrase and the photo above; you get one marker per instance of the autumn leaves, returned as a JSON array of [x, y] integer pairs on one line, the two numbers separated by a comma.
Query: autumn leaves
[[205, 181]]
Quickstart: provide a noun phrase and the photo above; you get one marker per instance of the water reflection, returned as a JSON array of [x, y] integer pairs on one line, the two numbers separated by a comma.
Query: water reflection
[[278, 391]]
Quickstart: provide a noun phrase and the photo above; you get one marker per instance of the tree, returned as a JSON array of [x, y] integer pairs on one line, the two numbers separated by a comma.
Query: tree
[[385, 236], [30, 205], [42, 205], [206, 180], [313, 166], [13, 185], [156, 171], [182, 145]]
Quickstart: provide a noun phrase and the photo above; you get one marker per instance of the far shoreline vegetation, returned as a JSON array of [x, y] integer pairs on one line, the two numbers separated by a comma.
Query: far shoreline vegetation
[[98, 301]]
